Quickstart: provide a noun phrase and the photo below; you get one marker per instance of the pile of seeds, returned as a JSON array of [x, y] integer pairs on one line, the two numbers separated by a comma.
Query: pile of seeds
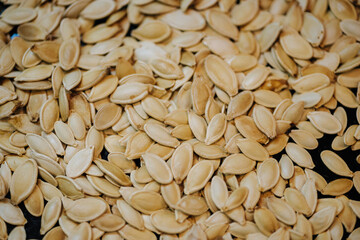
[[208, 110]]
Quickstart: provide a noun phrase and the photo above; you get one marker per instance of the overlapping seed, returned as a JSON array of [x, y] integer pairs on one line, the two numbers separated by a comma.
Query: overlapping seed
[[176, 119]]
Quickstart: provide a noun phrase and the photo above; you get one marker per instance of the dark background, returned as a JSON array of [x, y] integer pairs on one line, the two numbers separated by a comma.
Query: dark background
[[33, 225]]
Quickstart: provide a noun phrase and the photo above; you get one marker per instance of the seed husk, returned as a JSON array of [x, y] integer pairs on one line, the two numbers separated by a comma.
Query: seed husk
[[335, 163], [107, 116], [220, 45], [239, 230], [80, 162], [322, 220], [282, 210], [146, 202], [267, 98], [299, 155], [199, 207], [221, 74], [6, 145], [130, 215], [304, 139], [11, 214], [297, 201], [181, 162], [95, 138], [171, 194], [265, 221], [241, 62], [197, 125], [207, 87], [251, 183], [338, 187], [69, 53], [252, 149], [104, 186], [165, 221], [47, 163], [17, 233], [312, 29], [347, 216], [268, 35], [166, 68], [355, 234], [221, 23], [146, 31], [129, 93], [247, 127], [160, 134], [26, 172], [48, 190], [342, 9], [255, 78], [268, 174], [131, 233], [349, 27], [219, 192], [265, 121], [215, 129], [137, 145], [191, 21], [85, 209], [294, 45], [240, 104], [40, 145], [237, 164], [277, 144], [98, 9], [37, 73], [103, 89], [157, 168], [345, 96], [18, 16], [108, 222], [51, 214], [154, 108], [325, 122], [35, 202], [69, 188], [64, 133], [244, 12], [49, 113], [198, 176], [32, 32]]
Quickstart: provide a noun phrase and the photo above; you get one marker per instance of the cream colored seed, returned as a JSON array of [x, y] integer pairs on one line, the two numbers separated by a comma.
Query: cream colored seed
[[163, 119]]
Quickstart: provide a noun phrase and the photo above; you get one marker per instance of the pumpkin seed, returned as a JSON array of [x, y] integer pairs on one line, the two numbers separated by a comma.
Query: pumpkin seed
[[221, 74], [85, 209], [268, 174], [20, 190], [51, 214], [165, 221], [157, 168], [252, 149], [146, 201], [187, 77], [282, 210], [191, 21], [108, 222], [335, 163], [325, 122], [198, 176], [322, 220]]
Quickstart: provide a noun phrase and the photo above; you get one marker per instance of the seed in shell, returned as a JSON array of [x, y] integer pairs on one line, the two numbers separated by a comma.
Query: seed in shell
[[164, 119]]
